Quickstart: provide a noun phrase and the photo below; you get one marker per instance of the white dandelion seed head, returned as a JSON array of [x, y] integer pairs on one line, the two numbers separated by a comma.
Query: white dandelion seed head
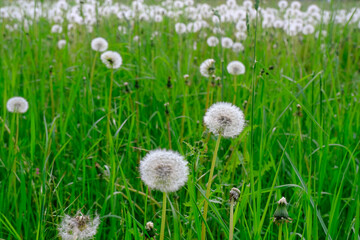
[[56, 29], [224, 118], [247, 4], [282, 4], [308, 29], [226, 42], [180, 28], [278, 23], [212, 41], [236, 68], [207, 68], [295, 5], [111, 59], [99, 44], [17, 104], [79, 227], [61, 44], [241, 35], [237, 47], [241, 26], [164, 170]]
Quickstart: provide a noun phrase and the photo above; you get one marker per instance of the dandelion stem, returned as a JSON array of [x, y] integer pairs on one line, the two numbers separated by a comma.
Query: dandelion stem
[[207, 195], [235, 90], [168, 128], [280, 232], [231, 230], [163, 217], [208, 95], [93, 70], [109, 103]]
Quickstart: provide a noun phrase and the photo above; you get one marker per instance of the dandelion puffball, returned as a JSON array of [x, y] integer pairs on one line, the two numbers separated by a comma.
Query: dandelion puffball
[[99, 44], [224, 118], [235, 68], [111, 59], [164, 170], [207, 68], [226, 42], [237, 47], [17, 104], [212, 41], [61, 43], [79, 227]]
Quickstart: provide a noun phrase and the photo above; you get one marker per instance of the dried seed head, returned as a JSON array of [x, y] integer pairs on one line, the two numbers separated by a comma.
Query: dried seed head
[[207, 68], [169, 84], [281, 215], [166, 105], [80, 227], [150, 230], [234, 194]]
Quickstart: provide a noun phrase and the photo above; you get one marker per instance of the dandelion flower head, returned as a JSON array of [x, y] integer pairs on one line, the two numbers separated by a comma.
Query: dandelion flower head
[[164, 170], [17, 104], [224, 118]]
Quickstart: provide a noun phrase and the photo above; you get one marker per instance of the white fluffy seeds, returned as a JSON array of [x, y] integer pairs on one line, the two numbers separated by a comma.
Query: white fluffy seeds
[[111, 59], [164, 170], [79, 227], [235, 68], [17, 104], [224, 118], [207, 68], [99, 44]]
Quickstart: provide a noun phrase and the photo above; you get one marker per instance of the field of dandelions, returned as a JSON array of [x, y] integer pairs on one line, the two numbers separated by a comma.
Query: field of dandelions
[[179, 120]]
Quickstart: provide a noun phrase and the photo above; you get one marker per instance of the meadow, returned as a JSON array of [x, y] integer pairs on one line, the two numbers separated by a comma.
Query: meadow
[[72, 146]]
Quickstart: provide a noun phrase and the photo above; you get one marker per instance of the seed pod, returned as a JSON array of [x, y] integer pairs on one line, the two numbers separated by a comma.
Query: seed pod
[[281, 215], [234, 194]]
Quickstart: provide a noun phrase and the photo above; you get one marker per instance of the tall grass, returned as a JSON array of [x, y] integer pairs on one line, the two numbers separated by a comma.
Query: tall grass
[[67, 159]]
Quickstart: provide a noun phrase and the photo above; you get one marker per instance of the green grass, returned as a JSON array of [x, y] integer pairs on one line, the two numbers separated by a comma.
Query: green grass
[[309, 155]]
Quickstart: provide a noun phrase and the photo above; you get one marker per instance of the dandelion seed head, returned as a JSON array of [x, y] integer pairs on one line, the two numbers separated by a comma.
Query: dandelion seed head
[[282, 4], [226, 42], [111, 59], [180, 28], [235, 68], [207, 68], [61, 44], [99, 44], [56, 29], [79, 227], [237, 47], [308, 29], [212, 41], [17, 104], [164, 170], [224, 118]]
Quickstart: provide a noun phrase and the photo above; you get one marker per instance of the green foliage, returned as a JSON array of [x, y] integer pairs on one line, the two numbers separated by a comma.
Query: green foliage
[[66, 160]]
